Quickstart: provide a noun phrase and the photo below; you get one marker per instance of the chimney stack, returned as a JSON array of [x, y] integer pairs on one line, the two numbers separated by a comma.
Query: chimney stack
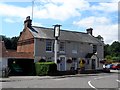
[[89, 31], [27, 22]]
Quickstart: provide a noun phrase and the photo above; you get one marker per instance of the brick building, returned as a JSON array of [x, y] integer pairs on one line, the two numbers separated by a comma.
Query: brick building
[[72, 45]]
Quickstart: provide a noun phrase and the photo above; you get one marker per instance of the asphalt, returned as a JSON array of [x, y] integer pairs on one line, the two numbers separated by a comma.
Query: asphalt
[[21, 78]]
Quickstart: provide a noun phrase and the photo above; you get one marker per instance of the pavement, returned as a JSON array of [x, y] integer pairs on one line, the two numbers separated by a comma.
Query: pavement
[[21, 78]]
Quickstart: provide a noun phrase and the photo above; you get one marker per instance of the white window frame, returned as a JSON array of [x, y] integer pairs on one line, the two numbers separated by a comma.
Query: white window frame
[[50, 45], [74, 48], [63, 47]]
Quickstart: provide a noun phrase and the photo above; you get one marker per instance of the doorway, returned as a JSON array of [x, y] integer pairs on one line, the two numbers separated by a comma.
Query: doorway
[[93, 64], [62, 63]]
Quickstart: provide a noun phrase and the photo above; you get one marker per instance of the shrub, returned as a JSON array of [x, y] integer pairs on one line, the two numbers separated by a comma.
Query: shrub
[[45, 68]]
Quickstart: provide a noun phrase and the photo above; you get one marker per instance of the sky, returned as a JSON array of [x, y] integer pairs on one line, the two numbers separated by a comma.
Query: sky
[[73, 15]]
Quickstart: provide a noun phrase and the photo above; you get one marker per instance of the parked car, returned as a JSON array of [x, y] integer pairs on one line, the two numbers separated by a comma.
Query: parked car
[[106, 67], [16, 70], [116, 66]]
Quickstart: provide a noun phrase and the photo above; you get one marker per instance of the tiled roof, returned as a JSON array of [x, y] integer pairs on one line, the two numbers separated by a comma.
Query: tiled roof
[[48, 33]]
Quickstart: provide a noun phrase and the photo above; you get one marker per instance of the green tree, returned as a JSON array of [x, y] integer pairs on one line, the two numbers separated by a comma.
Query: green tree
[[10, 43], [7, 42], [112, 52], [99, 37], [115, 49], [106, 50], [14, 41]]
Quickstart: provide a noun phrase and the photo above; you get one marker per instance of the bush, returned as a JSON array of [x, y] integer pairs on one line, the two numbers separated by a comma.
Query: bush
[[45, 68]]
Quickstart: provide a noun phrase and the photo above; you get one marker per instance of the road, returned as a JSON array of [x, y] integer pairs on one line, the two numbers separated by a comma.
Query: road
[[103, 80]]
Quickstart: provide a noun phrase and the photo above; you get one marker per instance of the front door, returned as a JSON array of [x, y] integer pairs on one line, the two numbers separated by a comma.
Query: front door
[[93, 63], [62, 63]]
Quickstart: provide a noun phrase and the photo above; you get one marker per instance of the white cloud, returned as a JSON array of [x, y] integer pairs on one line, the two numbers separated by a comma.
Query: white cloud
[[61, 9], [102, 26], [37, 24], [106, 7], [92, 21], [14, 11], [66, 9], [55, 9], [109, 32]]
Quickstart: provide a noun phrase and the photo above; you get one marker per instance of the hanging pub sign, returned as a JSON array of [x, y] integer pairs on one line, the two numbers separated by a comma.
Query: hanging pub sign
[[57, 30]]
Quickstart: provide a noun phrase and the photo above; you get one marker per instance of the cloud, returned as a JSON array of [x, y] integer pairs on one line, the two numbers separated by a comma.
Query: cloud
[[91, 21], [14, 11], [47, 9], [55, 9], [106, 7], [61, 9], [101, 26], [109, 32], [37, 24]]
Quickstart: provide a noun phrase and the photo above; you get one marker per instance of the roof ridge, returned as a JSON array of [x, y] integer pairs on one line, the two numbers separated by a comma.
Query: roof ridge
[[60, 30]]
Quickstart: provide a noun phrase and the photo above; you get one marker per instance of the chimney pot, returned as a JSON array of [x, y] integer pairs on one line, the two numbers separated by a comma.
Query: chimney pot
[[27, 22], [89, 31]]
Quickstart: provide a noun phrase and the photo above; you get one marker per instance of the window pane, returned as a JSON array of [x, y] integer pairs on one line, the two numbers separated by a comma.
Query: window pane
[[62, 46], [48, 45], [94, 48]]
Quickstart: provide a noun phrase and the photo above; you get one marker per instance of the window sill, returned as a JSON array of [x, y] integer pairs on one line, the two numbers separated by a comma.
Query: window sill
[[48, 51]]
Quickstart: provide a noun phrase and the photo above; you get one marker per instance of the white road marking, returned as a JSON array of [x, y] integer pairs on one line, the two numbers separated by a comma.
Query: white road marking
[[118, 80], [89, 83]]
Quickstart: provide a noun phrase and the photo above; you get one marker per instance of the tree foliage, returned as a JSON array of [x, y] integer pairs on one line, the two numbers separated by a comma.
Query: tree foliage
[[99, 37], [112, 51], [10, 43]]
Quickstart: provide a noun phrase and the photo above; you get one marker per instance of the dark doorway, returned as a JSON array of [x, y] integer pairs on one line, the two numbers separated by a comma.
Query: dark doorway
[[93, 63], [21, 67]]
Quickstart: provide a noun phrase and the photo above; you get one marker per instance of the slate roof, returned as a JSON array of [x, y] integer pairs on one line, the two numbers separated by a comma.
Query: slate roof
[[48, 33]]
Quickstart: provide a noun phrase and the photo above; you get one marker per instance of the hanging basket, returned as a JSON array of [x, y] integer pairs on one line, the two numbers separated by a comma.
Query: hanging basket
[[83, 61], [69, 60]]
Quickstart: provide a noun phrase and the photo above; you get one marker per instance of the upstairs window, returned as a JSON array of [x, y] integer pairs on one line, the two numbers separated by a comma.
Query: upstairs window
[[74, 48], [62, 46], [49, 46], [94, 48]]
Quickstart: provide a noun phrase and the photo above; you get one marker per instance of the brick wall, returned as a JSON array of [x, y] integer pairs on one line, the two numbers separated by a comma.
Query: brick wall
[[25, 42]]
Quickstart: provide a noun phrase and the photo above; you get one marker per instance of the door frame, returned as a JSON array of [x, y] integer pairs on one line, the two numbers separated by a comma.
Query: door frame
[[64, 62]]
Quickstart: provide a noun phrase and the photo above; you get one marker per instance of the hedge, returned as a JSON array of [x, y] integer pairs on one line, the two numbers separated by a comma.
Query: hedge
[[45, 68]]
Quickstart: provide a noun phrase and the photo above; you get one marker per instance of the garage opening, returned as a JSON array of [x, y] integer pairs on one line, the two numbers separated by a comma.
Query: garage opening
[[21, 67]]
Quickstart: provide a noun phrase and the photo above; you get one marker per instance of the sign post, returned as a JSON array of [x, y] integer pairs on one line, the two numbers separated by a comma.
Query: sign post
[[56, 35]]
